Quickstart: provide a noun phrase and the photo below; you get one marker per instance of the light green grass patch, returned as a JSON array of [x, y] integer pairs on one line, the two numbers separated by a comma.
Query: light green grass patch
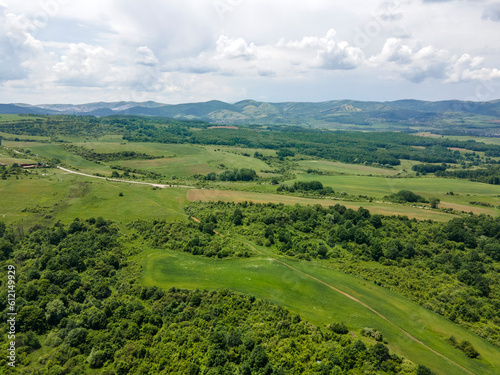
[[379, 186], [190, 160], [67, 196], [343, 168]]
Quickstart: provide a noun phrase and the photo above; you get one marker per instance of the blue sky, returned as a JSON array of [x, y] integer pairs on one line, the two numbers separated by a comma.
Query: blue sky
[[175, 51]]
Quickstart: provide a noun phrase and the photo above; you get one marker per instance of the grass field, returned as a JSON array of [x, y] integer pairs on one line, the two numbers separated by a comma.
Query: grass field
[[13, 117], [67, 196], [379, 187], [265, 278], [342, 168], [190, 160]]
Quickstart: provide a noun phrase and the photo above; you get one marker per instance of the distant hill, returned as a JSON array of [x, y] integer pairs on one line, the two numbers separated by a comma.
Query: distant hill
[[395, 115]]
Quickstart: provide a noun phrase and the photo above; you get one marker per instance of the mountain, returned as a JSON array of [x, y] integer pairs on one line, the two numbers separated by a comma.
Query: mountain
[[400, 114]]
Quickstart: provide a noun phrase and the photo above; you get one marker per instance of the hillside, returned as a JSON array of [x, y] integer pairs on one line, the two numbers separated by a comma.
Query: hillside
[[450, 116]]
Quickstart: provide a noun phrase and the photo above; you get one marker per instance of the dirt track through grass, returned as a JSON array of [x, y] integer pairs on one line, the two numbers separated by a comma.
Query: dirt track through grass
[[355, 300]]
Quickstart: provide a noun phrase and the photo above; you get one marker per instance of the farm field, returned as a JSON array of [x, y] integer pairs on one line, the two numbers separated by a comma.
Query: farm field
[[265, 278]]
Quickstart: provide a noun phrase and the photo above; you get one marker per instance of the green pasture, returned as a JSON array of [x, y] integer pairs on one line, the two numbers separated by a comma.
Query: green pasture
[[60, 196], [51, 151], [343, 168], [14, 117], [317, 303], [105, 145], [190, 160], [379, 186]]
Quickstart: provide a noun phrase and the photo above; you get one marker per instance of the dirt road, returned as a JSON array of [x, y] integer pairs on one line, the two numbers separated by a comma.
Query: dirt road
[[127, 181]]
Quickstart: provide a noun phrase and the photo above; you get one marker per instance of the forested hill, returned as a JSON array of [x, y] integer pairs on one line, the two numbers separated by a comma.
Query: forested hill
[[400, 114]]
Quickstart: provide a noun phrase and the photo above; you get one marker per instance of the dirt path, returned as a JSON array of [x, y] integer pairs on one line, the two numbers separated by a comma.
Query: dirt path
[[357, 301], [127, 181]]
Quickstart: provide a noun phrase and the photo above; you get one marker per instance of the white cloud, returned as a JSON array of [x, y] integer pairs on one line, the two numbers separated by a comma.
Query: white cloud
[[235, 48], [331, 54], [17, 46], [339, 56], [146, 56], [413, 64], [467, 68], [85, 65]]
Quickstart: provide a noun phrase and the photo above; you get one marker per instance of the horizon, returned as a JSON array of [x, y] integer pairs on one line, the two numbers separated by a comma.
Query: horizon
[[243, 100]]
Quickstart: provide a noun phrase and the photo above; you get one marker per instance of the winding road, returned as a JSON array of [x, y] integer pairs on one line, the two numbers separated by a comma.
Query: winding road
[[127, 181]]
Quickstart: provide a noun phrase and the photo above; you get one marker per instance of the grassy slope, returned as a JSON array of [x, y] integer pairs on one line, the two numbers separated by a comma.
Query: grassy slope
[[190, 160], [265, 278], [66, 196]]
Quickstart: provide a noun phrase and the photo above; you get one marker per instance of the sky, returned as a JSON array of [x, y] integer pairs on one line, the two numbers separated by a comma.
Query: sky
[[178, 51]]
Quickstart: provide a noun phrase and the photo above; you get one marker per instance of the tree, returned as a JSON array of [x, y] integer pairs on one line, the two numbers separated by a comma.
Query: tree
[[434, 202], [422, 370], [55, 311], [32, 318]]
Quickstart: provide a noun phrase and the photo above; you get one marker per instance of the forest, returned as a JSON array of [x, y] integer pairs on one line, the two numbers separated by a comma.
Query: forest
[[81, 310]]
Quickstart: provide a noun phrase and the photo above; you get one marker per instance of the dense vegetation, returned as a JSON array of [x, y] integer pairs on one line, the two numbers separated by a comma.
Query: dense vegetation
[[406, 196], [450, 268], [311, 187], [81, 311], [242, 174], [489, 175]]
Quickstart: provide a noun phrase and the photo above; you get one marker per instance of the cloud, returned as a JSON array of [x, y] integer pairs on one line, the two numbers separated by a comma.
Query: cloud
[[230, 48], [331, 54], [85, 65], [415, 65], [420, 64], [467, 68], [146, 56], [492, 13], [17, 46]]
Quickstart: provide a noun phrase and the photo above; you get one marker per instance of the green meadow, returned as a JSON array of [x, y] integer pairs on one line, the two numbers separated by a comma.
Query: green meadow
[[61, 196], [314, 301]]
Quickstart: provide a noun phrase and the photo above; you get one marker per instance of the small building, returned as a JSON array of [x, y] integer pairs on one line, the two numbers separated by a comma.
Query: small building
[[25, 165]]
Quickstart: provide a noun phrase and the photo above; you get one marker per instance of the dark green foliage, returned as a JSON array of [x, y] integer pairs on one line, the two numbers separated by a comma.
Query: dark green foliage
[[488, 175], [404, 196], [436, 264], [312, 187], [422, 370], [198, 239], [429, 168], [243, 174], [464, 346], [284, 152]]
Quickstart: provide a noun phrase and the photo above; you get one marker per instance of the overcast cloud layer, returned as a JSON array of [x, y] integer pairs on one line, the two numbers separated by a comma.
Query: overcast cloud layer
[[62, 51]]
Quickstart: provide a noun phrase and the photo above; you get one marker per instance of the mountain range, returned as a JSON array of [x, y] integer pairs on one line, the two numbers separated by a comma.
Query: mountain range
[[335, 113]]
